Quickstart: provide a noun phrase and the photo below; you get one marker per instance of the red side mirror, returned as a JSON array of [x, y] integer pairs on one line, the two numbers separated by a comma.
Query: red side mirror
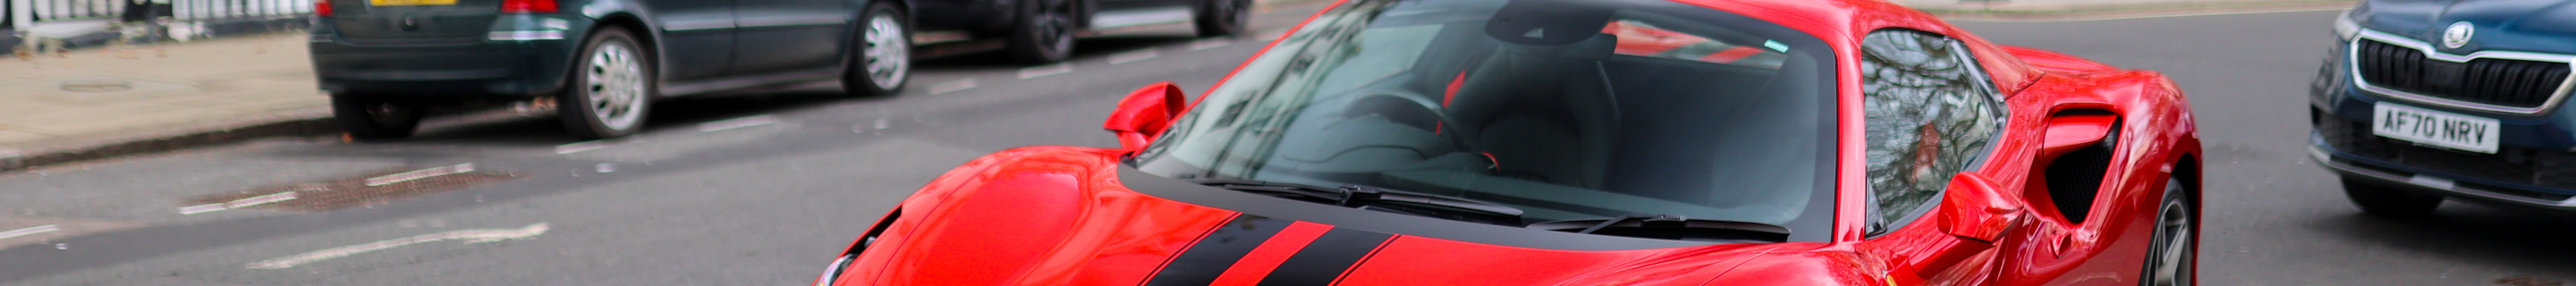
[[1973, 209], [1145, 113]]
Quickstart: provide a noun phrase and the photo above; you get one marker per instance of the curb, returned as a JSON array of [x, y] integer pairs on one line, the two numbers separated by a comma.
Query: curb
[[48, 153]]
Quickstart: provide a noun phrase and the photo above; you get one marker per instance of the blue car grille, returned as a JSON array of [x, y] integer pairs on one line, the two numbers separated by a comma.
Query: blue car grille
[[2544, 168], [2501, 82]]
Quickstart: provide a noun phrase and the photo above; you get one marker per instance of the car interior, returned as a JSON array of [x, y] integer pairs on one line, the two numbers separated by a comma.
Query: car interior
[[1512, 113]]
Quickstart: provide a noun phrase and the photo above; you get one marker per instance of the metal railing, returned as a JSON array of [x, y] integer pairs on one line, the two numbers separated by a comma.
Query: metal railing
[[222, 9], [26, 13]]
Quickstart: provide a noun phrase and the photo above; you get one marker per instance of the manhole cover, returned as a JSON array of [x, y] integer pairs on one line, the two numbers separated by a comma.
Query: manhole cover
[[369, 189], [97, 85]]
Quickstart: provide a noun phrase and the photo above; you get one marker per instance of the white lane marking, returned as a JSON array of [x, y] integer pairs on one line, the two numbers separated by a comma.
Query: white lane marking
[[419, 174], [578, 147], [1133, 56], [730, 124], [1208, 44], [470, 236], [236, 204], [259, 200], [198, 209], [953, 86], [1046, 70], [28, 231]]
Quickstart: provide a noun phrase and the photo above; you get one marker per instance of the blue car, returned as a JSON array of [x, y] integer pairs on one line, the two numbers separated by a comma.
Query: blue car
[[2421, 101]]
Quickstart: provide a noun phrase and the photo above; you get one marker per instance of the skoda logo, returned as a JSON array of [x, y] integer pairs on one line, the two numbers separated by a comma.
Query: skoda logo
[[2458, 35]]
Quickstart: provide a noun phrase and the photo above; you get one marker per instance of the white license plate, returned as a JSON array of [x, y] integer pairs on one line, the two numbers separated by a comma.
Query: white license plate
[[2435, 128]]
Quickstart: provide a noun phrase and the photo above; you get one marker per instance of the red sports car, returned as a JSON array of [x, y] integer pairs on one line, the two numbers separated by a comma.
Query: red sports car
[[1524, 142]]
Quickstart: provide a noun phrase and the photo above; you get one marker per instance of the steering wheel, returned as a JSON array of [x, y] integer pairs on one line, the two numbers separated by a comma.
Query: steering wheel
[[1408, 108]]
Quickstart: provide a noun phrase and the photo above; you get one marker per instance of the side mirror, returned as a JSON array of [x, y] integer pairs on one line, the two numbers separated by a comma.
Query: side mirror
[[1144, 114], [1974, 209]]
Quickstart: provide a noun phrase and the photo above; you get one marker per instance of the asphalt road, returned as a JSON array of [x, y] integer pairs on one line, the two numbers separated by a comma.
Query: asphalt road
[[761, 189]]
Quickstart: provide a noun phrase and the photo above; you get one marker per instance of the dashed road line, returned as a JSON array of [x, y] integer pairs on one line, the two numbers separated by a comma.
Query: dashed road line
[[204, 208], [29, 231], [259, 200], [419, 174], [578, 147], [237, 204], [737, 123], [1132, 56], [470, 236], [1209, 44], [1045, 70], [953, 86]]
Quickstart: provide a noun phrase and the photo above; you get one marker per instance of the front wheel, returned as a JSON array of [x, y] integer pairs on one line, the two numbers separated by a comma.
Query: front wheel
[[612, 89], [1044, 33], [1224, 18], [2173, 258], [884, 58]]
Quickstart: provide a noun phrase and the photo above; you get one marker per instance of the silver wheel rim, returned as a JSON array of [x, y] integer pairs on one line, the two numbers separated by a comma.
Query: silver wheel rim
[[888, 55], [1234, 14], [615, 86], [2173, 261], [1056, 25]]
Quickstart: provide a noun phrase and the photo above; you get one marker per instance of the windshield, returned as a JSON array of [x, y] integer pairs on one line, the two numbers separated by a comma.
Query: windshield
[[1565, 109]]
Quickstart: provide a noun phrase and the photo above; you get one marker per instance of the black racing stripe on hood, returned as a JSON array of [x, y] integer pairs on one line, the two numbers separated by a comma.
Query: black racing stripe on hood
[[1324, 260], [1211, 255]]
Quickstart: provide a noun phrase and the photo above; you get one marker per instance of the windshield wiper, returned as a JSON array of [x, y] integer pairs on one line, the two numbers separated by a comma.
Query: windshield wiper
[[1362, 196], [1666, 226]]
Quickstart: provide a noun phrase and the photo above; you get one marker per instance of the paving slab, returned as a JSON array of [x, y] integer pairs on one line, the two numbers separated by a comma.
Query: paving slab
[[122, 100]]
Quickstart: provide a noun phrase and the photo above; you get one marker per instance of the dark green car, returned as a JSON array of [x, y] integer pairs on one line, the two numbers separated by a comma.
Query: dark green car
[[603, 62]]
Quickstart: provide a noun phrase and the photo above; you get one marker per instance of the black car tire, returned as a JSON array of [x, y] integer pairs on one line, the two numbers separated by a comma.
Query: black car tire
[[2176, 240], [1044, 31], [2389, 202], [1224, 18], [375, 118], [623, 86], [879, 63]]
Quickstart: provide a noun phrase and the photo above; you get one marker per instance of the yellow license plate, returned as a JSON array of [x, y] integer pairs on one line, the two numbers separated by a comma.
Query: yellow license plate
[[410, 2]]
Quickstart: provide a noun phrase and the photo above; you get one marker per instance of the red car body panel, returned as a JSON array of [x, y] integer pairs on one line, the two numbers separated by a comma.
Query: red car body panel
[[1061, 216]]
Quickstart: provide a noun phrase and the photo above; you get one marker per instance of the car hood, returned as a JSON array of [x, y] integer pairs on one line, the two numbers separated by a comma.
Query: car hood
[[1061, 216], [2513, 25]]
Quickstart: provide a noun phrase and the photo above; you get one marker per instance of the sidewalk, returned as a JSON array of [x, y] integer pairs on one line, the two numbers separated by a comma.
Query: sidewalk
[[98, 103]]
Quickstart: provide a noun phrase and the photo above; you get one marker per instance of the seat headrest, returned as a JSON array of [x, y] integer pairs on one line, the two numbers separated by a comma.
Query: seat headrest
[[1596, 47]]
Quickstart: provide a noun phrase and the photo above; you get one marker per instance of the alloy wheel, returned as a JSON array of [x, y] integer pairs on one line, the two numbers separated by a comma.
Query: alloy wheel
[[888, 55], [615, 86], [1055, 24], [2173, 259]]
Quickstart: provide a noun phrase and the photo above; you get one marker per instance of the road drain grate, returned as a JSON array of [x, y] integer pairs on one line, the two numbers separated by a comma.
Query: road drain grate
[[347, 192]]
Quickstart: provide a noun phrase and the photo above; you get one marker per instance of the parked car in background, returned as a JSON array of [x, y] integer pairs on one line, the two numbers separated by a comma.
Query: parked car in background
[[603, 62], [2421, 101], [1533, 142], [1043, 30]]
